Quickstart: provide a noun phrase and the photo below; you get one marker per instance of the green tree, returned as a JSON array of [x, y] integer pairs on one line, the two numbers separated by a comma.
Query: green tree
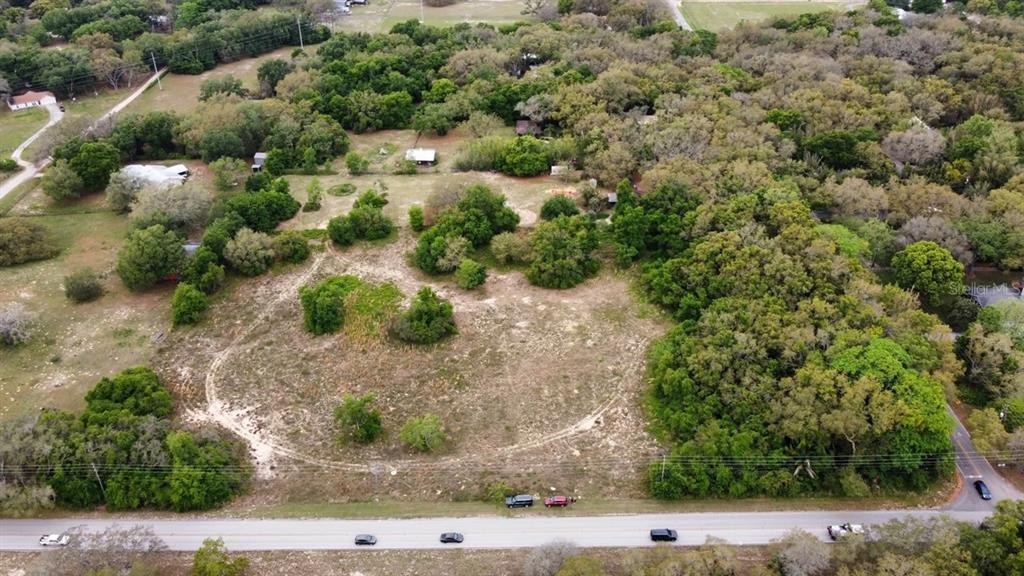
[[928, 269], [249, 252], [323, 304], [148, 256], [187, 304], [428, 319], [356, 420], [94, 164], [524, 156], [212, 560], [60, 181], [423, 434], [562, 252], [269, 73], [558, 206]]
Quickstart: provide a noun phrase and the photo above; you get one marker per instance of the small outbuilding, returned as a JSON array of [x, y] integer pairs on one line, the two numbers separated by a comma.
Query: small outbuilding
[[421, 156], [257, 161], [527, 128], [30, 99]]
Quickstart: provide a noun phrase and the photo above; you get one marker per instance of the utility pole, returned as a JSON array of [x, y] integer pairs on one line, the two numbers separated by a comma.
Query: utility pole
[[155, 71], [98, 479], [298, 22], [421, 11], [663, 458]]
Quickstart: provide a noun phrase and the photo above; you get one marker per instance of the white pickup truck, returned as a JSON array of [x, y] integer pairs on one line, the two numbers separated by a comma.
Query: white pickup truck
[[54, 540], [838, 531]]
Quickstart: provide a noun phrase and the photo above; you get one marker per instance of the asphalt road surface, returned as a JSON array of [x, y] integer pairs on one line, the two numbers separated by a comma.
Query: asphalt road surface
[[739, 528], [973, 467]]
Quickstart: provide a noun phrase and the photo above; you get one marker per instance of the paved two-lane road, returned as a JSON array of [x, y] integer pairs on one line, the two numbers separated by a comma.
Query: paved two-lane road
[[739, 528]]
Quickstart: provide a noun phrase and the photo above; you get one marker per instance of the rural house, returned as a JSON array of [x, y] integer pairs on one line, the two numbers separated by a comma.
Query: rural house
[[30, 100]]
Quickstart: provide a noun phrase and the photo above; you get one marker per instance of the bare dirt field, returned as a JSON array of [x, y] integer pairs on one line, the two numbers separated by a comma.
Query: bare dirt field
[[539, 389]]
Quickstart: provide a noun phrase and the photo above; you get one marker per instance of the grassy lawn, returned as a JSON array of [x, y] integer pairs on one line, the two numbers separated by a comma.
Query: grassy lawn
[[586, 507], [18, 126], [720, 15], [73, 346], [180, 92], [381, 15]]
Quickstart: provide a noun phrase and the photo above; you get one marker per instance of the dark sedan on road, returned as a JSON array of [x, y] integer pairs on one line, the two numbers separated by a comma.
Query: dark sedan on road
[[451, 538], [983, 490], [365, 540]]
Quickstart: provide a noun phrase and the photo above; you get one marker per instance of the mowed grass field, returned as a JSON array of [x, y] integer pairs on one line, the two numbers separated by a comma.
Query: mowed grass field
[[180, 92], [17, 126], [381, 15], [716, 16]]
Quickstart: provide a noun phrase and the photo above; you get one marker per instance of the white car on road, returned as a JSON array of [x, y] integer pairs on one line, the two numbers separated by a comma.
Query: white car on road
[[54, 540], [837, 532]]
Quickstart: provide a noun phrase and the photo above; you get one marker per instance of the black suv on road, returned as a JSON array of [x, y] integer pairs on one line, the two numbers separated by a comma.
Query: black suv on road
[[664, 535]]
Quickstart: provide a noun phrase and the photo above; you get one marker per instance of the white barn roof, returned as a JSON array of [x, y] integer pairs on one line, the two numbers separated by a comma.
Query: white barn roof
[[420, 154], [155, 174]]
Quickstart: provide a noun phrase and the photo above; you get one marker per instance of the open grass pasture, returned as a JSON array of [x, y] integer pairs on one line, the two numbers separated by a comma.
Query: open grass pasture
[[180, 92], [381, 15], [713, 15]]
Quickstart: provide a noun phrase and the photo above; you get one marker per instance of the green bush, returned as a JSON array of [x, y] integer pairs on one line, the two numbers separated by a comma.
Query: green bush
[[291, 246], [8, 165], [249, 252], [356, 420], [148, 256], [356, 164], [341, 230], [313, 193], [187, 304], [405, 168], [470, 274], [510, 248], [416, 218], [23, 241], [423, 434], [558, 206], [83, 285], [481, 154], [323, 304], [428, 319]]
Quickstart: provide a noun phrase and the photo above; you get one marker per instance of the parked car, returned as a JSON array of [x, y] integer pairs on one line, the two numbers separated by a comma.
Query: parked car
[[365, 539], [837, 531], [451, 538], [54, 540], [983, 490], [519, 501], [556, 501], [664, 535]]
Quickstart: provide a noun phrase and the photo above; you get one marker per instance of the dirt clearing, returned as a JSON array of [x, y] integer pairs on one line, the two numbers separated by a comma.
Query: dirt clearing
[[540, 388]]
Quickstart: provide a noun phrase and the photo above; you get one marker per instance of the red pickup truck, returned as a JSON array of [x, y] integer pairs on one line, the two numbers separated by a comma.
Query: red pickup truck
[[560, 501]]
